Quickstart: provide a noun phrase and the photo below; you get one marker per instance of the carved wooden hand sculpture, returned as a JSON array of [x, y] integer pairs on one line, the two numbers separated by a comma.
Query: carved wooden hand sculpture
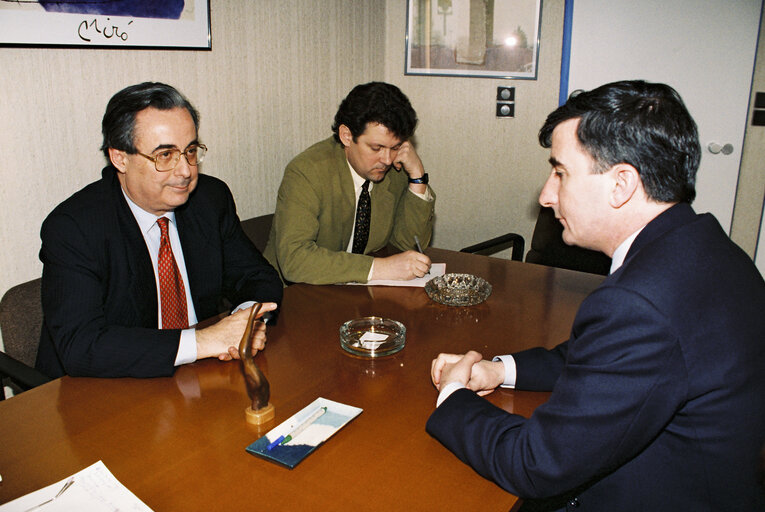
[[258, 388]]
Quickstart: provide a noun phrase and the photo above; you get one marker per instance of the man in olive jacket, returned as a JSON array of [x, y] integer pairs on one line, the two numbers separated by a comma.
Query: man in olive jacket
[[312, 236]]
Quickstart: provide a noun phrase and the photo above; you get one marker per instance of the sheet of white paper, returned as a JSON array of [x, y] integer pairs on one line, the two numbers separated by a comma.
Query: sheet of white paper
[[95, 489], [436, 269], [372, 340]]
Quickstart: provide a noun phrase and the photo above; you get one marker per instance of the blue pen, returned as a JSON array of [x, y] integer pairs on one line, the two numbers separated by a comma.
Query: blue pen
[[274, 443]]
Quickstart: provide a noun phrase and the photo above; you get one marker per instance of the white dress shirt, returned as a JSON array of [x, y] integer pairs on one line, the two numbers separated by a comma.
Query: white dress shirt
[[147, 223]]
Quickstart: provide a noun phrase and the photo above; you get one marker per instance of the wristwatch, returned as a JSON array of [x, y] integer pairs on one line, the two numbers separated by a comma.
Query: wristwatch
[[422, 179]]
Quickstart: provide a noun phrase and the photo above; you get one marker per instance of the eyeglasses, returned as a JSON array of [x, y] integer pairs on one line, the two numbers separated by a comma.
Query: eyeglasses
[[167, 159]]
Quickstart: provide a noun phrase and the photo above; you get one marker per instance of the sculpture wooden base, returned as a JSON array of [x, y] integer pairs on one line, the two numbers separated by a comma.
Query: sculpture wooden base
[[262, 415]]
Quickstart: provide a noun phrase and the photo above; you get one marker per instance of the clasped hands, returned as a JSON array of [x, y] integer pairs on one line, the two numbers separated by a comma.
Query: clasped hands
[[221, 339], [471, 370]]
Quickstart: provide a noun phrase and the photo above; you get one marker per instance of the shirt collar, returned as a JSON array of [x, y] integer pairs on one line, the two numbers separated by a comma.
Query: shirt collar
[[621, 252], [358, 181], [145, 220]]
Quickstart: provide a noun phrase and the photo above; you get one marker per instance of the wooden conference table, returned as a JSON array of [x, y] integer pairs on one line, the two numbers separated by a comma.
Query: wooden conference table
[[179, 443]]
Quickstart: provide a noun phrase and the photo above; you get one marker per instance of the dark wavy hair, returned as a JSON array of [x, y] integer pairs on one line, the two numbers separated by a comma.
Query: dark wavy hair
[[376, 102], [639, 123], [118, 124]]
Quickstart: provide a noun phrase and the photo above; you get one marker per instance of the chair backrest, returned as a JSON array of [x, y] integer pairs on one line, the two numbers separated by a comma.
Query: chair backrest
[[548, 248], [258, 229], [21, 321]]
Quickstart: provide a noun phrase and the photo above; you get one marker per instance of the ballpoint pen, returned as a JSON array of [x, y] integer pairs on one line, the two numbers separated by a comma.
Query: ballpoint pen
[[307, 423], [67, 485], [419, 249], [417, 241], [273, 444]]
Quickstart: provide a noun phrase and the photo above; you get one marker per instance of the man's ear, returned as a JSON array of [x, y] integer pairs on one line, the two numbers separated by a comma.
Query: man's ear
[[626, 183], [346, 137], [118, 159]]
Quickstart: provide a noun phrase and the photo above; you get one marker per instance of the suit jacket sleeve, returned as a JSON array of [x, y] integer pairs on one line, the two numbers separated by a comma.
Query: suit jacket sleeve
[[610, 401], [414, 217], [90, 337]]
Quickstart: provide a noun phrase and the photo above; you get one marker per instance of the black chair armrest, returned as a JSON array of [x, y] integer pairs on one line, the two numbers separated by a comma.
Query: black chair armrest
[[20, 374], [500, 243]]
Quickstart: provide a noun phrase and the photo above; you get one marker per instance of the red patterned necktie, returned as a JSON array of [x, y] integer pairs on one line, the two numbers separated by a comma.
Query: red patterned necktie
[[363, 213], [171, 292]]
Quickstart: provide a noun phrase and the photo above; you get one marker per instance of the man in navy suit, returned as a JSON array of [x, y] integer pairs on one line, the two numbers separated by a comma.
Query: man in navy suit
[[103, 307], [658, 396]]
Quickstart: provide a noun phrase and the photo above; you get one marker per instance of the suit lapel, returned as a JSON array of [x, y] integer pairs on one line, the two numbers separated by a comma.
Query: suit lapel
[[346, 195], [142, 287], [382, 201], [193, 241]]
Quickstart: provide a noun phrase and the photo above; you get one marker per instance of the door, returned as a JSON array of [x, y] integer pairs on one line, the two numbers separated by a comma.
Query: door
[[705, 49]]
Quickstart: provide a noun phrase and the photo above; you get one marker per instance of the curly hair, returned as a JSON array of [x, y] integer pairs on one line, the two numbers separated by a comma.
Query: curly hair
[[376, 102]]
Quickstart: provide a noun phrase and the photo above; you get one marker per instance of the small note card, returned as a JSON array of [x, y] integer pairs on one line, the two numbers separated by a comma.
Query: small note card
[[295, 438]]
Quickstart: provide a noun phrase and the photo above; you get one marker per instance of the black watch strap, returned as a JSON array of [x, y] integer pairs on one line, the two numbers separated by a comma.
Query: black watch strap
[[423, 179]]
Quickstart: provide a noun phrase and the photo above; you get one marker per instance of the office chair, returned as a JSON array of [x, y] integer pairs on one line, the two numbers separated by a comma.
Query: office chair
[[258, 229], [547, 248], [20, 324]]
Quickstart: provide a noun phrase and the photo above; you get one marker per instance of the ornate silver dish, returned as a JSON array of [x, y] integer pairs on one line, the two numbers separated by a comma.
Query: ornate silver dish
[[458, 289]]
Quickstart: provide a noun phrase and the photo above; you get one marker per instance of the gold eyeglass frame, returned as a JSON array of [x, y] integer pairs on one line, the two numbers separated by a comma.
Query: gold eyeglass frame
[[180, 153]]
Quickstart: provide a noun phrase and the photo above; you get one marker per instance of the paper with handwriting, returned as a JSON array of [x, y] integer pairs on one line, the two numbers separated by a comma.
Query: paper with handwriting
[[94, 489]]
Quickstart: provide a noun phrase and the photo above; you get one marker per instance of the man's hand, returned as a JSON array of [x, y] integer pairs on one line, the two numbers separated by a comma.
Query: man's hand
[[407, 157], [476, 374], [222, 339], [401, 267]]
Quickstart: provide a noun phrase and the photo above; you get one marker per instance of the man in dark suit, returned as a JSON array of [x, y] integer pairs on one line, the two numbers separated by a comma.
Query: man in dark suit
[[657, 397], [132, 261]]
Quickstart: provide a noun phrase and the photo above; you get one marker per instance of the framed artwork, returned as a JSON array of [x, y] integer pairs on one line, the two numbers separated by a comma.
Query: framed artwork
[[183, 24], [475, 38]]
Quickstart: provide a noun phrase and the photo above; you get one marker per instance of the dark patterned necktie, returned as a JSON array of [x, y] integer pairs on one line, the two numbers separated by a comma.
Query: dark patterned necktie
[[363, 213], [172, 295]]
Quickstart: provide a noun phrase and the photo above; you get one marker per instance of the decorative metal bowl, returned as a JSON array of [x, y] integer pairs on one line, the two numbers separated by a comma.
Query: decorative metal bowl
[[458, 289], [372, 336]]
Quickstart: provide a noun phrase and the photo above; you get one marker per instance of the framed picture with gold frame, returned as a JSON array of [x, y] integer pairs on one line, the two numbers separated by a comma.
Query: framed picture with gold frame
[[182, 24], [474, 38]]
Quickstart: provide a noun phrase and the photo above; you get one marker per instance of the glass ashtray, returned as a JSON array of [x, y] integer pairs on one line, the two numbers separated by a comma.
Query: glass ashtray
[[372, 336], [458, 289]]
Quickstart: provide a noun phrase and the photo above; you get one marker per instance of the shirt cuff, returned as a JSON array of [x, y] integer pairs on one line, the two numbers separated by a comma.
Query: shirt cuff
[[448, 390], [187, 348], [510, 371], [244, 305], [427, 196], [371, 271]]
